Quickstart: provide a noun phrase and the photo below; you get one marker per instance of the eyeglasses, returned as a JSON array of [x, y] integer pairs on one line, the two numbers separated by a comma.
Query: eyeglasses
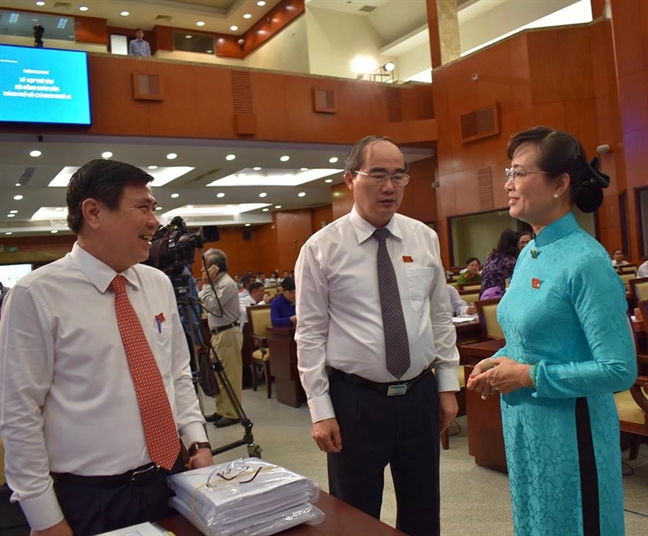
[[513, 174], [398, 179]]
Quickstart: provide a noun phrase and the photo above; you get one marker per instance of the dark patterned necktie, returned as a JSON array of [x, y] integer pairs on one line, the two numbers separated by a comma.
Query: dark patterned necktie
[[397, 354], [157, 418]]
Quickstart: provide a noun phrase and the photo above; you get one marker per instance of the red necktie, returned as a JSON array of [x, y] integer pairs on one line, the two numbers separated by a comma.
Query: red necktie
[[155, 410]]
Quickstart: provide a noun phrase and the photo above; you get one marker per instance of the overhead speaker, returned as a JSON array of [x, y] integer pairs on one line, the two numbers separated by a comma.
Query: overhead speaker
[[247, 234], [210, 233]]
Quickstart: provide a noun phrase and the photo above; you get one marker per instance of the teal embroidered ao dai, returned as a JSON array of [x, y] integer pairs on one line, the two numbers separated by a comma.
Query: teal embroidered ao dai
[[565, 312]]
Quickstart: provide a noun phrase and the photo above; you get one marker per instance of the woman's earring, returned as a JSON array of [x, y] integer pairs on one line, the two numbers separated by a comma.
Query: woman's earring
[[555, 196]]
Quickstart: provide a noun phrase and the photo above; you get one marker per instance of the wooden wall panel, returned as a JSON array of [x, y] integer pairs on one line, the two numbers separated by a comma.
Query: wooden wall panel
[[90, 30], [419, 200], [321, 215], [342, 200], [544, 67], [293, 229], [630, 23], [576, 75]]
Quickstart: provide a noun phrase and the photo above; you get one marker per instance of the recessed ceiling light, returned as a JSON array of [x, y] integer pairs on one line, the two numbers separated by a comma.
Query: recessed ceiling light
[[106, 154], [233, 28], [18, 184], [285, 158], [11, 215], [265, 210], [172, 156], [40, 3], [35, 154], [230, 157], [18, 197], [328, 181], [333, 160], [220, 195], [124, 13], [200, 23], [303, 169], [263, 194], [247, 16], [188, 36], [53, 231], [241, 174], [152, 167], [13, 212], [189, 206], [277, 206], [83, 8], [256, 168], [158, 208], [175, 196], [287, 175], [247, 224], [301, 194], [261, 3], [8, 233], [59, 209], [209, 51]]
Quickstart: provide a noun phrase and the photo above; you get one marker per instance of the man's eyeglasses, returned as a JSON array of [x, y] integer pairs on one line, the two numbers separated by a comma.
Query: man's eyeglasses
[[513, 174], [398, 179]]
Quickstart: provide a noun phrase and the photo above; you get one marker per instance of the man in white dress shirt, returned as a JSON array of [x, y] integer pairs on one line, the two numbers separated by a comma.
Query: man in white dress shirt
[[255, 297], [642, 271], [75, 447], [363, 416]]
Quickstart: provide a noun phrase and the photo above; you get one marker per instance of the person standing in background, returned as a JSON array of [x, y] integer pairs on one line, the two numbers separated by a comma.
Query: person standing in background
[[500, 263], [138, 46]]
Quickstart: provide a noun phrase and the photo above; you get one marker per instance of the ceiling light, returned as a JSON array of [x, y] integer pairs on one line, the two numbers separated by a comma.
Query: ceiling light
[[53, 231], [83, 8], [230, 157], [175, 196], [40, 3], [35, 154], [333, 160], [288, 175], [8, 233], [152, 167], [247, 224], [389, 66], [200, 23], [18, 184], [261, 3], [209, 51], [188, 36], [11, 215], [247, 16], [106, 154], [18, 197], [220, 195], [277, 206], [233, 28], [265, 210], [13, 211], [172, 156], [158, 208], [363, 64], [241, 174], [124, 13], [303, 169], [256, 168], [301, 194], [328, 181], [59, 209], [189, 206], [285, 158], [263, 194]]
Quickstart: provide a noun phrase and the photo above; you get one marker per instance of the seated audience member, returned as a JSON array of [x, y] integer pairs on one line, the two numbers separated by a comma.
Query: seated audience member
[[282, 308], [617, 258], [272, 280], [267, 297], [255, 297], [471, 274], [523, 239], [643, 270], [459, 306], [246, 281], [500, 263]]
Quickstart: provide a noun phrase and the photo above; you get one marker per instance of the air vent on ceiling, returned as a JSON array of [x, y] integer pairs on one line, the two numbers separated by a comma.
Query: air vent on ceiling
[[200, 220], [367, 9], [165, 18], [26, 176], [62, 5]]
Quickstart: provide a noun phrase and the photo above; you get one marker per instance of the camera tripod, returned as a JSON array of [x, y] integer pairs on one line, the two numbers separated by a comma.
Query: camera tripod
[[183, 299]]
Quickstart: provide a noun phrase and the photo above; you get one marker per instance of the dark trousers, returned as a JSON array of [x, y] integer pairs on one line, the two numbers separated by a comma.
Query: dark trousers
[[92, 508], [402, 431]]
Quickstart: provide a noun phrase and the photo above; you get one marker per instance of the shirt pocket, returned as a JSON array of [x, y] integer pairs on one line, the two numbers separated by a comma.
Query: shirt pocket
[[161, 344], [419, 283]]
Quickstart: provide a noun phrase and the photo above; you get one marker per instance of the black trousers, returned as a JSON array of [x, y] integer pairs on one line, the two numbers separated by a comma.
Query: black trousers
[[402, 431], [92, 508]]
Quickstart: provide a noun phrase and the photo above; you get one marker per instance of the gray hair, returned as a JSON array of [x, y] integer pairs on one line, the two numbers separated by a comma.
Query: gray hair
[[216, 256], [356, 157]]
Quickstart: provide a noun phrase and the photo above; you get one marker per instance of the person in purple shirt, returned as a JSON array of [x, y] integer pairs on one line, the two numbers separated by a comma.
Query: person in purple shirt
[[500, 263], [282, 308]]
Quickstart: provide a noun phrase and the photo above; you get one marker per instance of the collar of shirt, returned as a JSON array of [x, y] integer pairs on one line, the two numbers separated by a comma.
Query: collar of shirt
[[99, 273], [364, 230], [557, 230]]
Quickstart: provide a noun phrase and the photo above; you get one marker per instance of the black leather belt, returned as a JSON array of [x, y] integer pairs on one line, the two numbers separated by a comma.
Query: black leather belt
[[138, 476], [223, 328], [398, 388]]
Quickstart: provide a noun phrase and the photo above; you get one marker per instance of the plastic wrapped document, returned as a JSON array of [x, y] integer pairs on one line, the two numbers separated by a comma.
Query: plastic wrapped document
[[247, 496], [143, 529]]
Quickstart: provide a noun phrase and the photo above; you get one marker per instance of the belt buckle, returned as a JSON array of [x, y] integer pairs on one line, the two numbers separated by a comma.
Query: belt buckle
[[398, 389], [144, 474]]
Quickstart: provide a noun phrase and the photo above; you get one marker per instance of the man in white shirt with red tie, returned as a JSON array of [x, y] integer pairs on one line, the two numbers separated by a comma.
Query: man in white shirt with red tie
[[374, 321], [84, 343]]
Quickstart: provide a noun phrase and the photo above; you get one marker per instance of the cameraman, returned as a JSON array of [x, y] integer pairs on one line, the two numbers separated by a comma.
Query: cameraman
[[222, 301]]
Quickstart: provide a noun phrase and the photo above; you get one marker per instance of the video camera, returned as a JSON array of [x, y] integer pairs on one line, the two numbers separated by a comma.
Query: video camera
[[38, 35], [173, 246]]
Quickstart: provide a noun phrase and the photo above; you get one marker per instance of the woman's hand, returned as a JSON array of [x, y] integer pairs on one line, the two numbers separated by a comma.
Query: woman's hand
[[507, 375], [478, 380]]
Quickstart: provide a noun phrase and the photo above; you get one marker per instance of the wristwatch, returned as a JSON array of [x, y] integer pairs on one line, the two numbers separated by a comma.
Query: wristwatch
[[193, 449]]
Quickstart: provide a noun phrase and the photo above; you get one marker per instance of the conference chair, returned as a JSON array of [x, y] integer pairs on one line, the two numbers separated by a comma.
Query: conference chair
[[487, 313], [469, 296], [639, 289], [469, 287], [259, 320], [625, 278], [628, 269]]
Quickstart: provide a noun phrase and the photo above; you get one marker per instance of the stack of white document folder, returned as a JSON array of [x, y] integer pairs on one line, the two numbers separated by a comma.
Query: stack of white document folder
[[245, 497]]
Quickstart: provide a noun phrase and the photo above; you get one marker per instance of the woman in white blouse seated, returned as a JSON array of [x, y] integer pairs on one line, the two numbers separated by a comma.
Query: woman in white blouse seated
[[459, 306]]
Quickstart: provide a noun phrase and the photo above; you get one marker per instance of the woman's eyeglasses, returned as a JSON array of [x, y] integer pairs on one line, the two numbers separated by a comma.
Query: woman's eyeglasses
[[513, 174]]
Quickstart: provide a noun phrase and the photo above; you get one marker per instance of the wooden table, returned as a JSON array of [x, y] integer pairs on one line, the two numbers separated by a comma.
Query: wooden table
[[283, 363], [485, 434], [468, 331], [341, 520], [473, 353]]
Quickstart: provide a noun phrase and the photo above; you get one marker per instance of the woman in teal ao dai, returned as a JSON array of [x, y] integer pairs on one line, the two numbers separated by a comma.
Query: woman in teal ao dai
[[569, 347]]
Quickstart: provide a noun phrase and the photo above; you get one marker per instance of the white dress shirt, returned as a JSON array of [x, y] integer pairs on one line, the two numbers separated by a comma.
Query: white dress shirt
[[459, 306], [244, 303], [67, 400], [222, 301], [642, 271], [338, 306]]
